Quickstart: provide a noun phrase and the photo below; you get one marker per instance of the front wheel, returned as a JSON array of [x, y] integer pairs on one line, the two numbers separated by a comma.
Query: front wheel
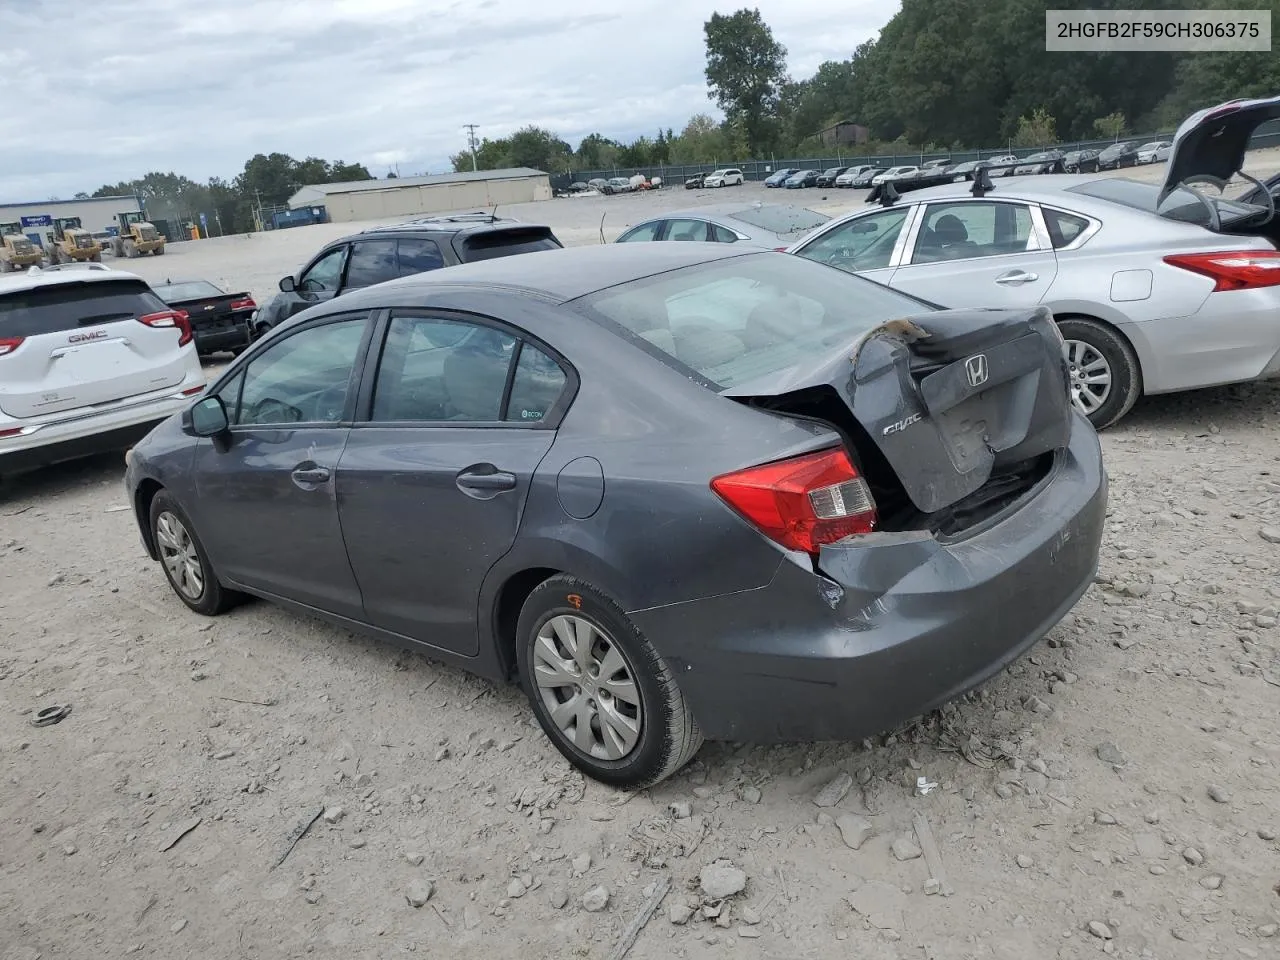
[[1103, 370], [601, 692], [185, 562]]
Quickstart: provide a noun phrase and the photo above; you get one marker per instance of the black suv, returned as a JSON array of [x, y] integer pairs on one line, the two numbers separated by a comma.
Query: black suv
[[384, 253]]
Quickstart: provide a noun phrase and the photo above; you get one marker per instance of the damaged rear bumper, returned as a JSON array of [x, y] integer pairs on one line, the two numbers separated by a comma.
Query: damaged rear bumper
[[899, 625]]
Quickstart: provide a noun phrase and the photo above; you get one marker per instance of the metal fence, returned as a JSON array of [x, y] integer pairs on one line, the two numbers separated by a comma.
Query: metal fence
[[1268, 135]]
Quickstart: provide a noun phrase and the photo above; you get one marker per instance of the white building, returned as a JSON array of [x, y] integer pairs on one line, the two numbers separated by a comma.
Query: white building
[[96, 215], [397, 197]]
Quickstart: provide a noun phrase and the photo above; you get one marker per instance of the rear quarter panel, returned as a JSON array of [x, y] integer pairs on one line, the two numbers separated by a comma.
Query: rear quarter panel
[[659, 535]]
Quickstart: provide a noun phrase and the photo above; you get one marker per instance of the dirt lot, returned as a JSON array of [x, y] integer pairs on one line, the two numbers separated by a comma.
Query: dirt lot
[[1114, 792]]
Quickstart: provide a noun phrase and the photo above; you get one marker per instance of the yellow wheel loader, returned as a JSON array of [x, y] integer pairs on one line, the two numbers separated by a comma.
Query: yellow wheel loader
[[73, 243], [136, 237], [17, 252]]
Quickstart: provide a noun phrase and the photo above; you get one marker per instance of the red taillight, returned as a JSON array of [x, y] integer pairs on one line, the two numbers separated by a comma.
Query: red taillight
[[10, 432], [10, 344], [177, 319], [1233, 269], [245, 303], [192, 391], [780, 249], [803, 502]]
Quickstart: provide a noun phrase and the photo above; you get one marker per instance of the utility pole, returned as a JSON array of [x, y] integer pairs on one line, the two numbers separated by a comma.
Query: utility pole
[[471, 142]]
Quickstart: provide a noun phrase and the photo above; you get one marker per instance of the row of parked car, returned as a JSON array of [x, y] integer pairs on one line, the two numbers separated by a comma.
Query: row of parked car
[[487, 462], [1048, 161]]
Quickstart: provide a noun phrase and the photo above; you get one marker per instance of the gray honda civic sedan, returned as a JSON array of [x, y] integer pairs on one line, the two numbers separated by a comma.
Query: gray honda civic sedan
[[676, 491]]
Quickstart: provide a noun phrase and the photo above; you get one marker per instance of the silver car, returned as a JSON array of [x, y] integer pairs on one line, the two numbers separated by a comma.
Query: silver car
[[1156, 288], [775, 225]]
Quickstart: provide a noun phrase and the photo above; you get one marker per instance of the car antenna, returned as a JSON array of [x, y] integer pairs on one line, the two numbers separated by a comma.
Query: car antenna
[[602, 216], [982, 184], [494, 215]]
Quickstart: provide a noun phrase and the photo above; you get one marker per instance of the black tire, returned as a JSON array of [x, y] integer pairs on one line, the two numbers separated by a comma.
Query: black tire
[[1126, 376], [669, 735], [213, 598]]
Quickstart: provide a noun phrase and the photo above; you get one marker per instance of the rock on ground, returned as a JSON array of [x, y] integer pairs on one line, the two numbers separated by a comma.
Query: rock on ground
[[721, 879]]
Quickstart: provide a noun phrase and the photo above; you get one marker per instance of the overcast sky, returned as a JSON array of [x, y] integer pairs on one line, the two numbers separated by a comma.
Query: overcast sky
[[107, 90]]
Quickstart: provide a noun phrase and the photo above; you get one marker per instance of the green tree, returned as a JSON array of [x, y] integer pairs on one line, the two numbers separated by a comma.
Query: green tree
[[746, 68], [1113, 125], [702, 141], [596, 152], [1037, 130]]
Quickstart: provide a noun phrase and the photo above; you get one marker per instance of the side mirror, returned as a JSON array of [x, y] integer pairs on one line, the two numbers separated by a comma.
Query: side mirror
[[207, 418], [288, 284]]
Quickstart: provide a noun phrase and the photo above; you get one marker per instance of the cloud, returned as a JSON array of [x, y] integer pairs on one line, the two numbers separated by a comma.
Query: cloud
[[199, 87]]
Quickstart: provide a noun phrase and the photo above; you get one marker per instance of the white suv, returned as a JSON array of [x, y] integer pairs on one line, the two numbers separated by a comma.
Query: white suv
[[90, 361], [731, 177]]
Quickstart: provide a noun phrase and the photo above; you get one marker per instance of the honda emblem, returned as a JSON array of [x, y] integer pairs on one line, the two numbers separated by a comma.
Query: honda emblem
[[975, 369]]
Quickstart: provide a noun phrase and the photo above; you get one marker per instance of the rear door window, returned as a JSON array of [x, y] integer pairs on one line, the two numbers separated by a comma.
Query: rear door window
[[436, 369], [372, 261], [418, 255], [53, 309], [695, 230], [969, 229]]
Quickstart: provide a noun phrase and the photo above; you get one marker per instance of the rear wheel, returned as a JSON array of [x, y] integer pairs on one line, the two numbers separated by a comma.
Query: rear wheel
[[130, 250], [186, 565], [1103, 370], [601, 692]]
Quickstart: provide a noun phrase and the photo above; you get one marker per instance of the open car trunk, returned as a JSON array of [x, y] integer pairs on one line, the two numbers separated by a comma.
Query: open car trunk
[[950, 416], [1210, 147]]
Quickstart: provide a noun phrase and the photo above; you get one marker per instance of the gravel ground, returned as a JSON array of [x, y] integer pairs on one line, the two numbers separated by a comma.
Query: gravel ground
[[1116, 791]]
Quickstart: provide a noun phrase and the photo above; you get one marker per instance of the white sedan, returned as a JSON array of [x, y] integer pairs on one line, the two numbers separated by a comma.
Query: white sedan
[[894, 173]]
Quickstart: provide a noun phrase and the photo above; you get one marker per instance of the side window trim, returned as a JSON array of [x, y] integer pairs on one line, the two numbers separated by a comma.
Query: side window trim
[[353, 383], [363, 416]]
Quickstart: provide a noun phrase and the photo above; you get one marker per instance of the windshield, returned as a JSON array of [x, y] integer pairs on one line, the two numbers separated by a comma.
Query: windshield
[[780, 218], [187, 290], [733, 321]]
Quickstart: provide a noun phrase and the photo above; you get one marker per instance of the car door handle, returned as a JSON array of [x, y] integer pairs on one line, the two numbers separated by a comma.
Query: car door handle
[[310, 475], [1016, 278], [485, 481]]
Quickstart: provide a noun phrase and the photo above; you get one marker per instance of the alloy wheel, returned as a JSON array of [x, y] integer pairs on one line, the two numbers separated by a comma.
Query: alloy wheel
[[179, 556], [588, 687], [1090, 376]]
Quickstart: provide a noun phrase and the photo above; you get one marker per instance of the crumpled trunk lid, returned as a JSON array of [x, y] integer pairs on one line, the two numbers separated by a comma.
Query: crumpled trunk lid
[[949, 399]]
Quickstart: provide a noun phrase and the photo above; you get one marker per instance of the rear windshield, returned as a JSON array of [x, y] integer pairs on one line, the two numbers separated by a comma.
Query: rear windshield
[[189, 290], [779, 218], [1183, 205], [66, 306], [733, 321], [506, 243]]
